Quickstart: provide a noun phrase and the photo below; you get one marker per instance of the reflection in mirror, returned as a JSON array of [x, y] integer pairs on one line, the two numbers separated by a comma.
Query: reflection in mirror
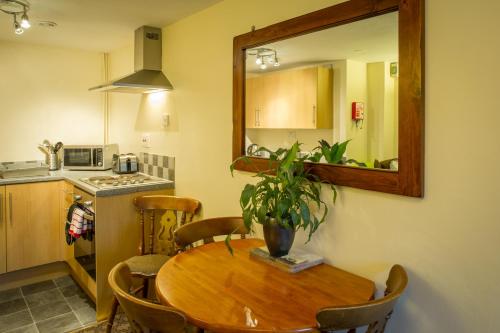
[[334, 85]]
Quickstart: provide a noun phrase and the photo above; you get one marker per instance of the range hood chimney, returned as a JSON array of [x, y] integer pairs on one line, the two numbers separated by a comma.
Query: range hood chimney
[[148, 76]]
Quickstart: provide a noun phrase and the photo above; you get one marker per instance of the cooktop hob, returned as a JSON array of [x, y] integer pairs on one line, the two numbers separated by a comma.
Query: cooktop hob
[[118, 181]]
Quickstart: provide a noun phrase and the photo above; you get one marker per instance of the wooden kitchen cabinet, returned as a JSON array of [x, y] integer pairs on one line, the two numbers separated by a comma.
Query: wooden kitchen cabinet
[[3, 243], [33, 232], [297, 99]]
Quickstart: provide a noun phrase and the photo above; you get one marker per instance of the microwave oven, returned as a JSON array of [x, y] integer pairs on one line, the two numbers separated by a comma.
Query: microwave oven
[[89, 157]]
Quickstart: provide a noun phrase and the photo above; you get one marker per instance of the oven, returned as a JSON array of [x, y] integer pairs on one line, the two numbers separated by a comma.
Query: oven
[[84, 249], [89, 157]]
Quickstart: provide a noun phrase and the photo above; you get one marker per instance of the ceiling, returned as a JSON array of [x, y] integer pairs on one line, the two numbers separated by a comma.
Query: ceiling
[[371, 40], [97, 25]]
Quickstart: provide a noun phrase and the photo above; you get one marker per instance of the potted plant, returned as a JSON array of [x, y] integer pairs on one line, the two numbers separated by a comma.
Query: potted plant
[[285, 199], [333, 154]]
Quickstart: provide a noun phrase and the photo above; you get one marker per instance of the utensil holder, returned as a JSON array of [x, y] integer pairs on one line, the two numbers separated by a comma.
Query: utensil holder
[[53, 162]]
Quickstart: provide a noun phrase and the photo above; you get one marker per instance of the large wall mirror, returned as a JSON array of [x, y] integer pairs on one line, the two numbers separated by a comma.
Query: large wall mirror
[[351, 72]]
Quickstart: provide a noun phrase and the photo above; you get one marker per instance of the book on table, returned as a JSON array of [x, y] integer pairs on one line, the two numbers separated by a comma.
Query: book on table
[[296, 261]]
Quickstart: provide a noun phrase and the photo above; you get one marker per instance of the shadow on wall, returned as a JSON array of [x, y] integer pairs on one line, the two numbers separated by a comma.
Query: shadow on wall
[[407, 308], [156, 113]]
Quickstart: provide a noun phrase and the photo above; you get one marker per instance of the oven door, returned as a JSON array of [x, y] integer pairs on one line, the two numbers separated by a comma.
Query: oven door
[[78, 158], [84, 249], [85, 255]]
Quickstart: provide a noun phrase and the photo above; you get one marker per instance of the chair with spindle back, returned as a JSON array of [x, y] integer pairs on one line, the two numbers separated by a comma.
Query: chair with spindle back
[[207, 229], [374, 314], [144, 316], [147, 264]]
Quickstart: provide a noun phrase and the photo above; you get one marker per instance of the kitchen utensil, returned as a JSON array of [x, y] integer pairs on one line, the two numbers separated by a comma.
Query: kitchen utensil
[[58, 146], [43, 149]]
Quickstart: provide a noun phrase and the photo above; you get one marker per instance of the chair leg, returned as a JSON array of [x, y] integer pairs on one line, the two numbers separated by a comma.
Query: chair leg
[[112, 315], [145, 290]]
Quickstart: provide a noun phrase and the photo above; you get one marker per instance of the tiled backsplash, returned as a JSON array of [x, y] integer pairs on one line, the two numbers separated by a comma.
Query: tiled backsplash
[[157, 165]]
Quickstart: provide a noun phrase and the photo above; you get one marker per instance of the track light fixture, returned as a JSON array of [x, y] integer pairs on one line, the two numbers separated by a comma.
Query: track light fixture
[[25, 23], [264, 57], [15, 8], [17, 27]]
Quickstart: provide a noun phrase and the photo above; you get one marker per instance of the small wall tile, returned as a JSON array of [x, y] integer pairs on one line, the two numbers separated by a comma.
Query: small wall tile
[[157, 165]]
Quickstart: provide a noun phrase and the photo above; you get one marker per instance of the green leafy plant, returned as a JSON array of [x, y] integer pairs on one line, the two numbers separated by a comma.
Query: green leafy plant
[[333, 153], [287, 191]]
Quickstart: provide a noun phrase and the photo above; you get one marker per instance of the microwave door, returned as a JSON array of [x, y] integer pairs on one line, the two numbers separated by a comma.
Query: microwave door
[[78, 157], [94, 157]]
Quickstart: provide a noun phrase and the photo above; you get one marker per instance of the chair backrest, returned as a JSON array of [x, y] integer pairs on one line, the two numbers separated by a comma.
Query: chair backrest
[[375, 313], [143, 316], [206, 230], [151, 203]]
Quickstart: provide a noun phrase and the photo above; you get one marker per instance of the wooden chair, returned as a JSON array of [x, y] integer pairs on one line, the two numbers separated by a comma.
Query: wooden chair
[[147, 264], [144, 316], [375, 313], [207, 229]]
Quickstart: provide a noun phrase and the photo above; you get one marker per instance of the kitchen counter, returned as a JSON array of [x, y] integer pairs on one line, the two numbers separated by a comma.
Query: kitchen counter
[[74, 178]]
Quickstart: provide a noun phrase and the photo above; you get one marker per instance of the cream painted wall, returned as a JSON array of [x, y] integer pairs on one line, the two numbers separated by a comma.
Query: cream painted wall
[[356, 90], [448, 241], [390, 111], [381, 127], [375, 109], [44, 95]]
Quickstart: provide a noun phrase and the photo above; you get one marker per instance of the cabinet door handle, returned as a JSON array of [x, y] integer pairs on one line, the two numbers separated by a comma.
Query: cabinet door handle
[[257, 117], [10, 208], [1, 208], [314, 114]]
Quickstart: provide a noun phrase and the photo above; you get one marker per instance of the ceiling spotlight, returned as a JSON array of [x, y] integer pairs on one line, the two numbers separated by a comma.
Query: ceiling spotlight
[[264, 57], [25, 23], [17, 8], [17, 27]]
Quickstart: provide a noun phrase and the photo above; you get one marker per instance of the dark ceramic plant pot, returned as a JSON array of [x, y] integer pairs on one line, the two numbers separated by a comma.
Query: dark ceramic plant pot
[[279, 239]]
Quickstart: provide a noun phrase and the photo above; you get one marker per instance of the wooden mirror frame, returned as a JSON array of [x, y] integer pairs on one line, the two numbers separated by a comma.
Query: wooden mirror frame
[[408, 180]]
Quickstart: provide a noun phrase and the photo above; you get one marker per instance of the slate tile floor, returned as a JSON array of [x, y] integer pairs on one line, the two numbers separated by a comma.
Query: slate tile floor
[[53, 306]]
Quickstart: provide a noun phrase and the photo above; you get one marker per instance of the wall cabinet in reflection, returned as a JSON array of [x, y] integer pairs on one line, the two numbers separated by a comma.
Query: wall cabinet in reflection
[[298, 98]]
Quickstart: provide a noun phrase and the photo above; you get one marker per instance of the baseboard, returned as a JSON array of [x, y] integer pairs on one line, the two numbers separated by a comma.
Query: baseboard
[[31, 275]]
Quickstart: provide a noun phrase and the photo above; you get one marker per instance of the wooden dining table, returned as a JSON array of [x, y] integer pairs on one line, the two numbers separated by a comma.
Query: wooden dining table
[[224, 293]]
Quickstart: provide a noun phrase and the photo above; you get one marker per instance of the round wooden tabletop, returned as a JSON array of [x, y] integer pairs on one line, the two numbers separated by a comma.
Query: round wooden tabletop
[[227, 293]]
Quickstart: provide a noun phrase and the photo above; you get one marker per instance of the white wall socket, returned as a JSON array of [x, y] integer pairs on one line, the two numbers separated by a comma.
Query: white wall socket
[[146, 140]]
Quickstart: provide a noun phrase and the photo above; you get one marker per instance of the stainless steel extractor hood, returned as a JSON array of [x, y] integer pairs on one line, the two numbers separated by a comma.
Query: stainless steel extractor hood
[[148, 76]]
